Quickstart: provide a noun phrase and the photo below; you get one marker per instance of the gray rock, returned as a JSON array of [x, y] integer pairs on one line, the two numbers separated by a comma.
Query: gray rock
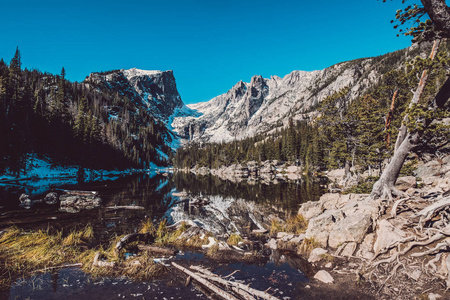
[[387, 234], [297, 239], [310, 210], [431, 168], [324, 277], [432, 296], [406, 182], [320, 227], [349, 249], [366, 247], [351, 229], [272, 244], [51, 198], [281, 234], [317, 255], [415, 274]]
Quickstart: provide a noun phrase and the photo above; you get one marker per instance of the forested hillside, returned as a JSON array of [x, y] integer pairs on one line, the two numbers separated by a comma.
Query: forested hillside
[[72, 123], [341, 132]]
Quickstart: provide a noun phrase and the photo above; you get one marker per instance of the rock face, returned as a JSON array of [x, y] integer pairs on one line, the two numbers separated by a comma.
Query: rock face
[[153, 91], [337, 219], [263, 104]]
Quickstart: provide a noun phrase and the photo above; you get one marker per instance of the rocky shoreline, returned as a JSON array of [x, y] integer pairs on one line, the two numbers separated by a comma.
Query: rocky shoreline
[[267, 171], [394, 249]]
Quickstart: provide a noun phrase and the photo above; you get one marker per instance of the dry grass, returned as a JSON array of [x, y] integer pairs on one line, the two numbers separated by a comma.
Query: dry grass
[[23, 253], [307, 246], [296, 224], [147, 227], [234, 239]]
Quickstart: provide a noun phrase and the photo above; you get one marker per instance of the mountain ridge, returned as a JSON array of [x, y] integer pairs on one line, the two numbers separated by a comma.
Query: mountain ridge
[[263, 104]]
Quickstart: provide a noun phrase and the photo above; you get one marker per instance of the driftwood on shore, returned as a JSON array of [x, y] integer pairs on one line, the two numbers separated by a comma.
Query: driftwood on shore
[[221, 293], [78, 192], [202, 276]]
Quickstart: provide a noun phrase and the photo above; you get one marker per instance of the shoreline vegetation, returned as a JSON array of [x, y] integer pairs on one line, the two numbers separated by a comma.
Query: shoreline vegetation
[[140, 256]]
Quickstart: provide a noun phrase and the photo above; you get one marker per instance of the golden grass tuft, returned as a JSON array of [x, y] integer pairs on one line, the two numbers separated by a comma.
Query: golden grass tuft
[[212, 251], [296, 224], [147, 227], [307, 246], [234, 239]]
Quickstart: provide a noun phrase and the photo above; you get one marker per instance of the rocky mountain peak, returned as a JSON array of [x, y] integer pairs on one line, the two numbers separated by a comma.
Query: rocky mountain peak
[[265, 104], [151, 90]]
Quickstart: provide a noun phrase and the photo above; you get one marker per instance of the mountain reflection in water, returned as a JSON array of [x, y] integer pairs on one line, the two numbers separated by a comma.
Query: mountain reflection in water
[[153, 191]]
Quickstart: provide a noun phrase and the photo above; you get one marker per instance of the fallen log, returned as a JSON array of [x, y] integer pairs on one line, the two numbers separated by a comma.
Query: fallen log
[[206, 283], [78, 192], [239, 285], [131, 207], [155, 249], [129, 238], [226, 283]]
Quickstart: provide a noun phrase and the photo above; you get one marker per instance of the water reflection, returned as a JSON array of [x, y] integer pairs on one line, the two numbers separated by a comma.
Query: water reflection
[[153, 191], [287, 195]]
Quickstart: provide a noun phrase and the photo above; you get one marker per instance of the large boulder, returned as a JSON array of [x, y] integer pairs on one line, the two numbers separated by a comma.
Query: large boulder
[[387, 234], [310, 210], [320, 227], [431, 168], [351, 229]]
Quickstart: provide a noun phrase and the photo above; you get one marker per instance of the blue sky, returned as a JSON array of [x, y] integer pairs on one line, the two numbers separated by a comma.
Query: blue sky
[[210, 45]]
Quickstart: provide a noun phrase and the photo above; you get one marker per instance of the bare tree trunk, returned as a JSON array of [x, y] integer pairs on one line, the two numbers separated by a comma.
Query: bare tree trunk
[[384, 187], [416, 97], [406, 141]]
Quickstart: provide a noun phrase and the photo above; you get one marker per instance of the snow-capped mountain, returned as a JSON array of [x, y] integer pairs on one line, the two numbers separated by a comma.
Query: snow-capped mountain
[[264, 104], [154, 91], [248, 108]]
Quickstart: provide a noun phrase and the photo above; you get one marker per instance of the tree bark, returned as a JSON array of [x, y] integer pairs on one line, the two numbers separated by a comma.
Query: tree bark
[[439, 13], [385, 185]]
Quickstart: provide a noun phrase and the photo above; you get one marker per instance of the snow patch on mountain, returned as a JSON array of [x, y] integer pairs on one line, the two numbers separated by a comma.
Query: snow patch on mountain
[[138, 72]]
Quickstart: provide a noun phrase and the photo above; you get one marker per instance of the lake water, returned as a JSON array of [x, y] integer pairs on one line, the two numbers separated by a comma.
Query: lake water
[[230, 207]]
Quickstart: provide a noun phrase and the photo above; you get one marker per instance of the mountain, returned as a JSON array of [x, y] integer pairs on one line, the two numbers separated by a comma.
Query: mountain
[[264, 104], [153, 91]]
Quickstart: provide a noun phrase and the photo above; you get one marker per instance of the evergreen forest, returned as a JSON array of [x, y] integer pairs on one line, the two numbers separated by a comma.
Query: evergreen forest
[[72, 123]]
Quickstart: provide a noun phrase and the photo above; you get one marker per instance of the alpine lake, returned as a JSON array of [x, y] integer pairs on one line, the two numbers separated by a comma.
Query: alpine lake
[[229, 207]]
